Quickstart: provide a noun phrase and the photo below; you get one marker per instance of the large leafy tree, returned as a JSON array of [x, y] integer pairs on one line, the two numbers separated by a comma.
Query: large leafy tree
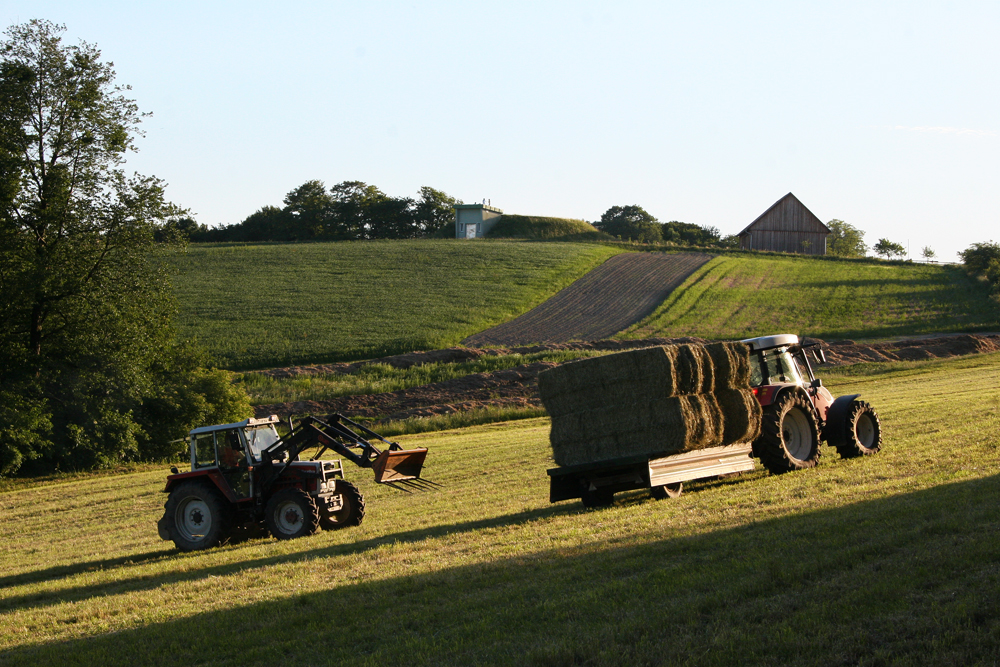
[[889, 249], [845, 240], [630, 223], [85, 306]]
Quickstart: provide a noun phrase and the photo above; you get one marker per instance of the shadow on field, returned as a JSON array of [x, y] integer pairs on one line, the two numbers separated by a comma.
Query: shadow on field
[[149, 582], [911, 579]]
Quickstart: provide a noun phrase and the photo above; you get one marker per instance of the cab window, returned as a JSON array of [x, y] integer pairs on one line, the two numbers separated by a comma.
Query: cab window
[[260, 438], [204, 450]]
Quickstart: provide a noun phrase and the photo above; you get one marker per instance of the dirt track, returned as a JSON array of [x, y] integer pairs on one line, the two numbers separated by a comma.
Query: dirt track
[[517, 387], [615, 295]]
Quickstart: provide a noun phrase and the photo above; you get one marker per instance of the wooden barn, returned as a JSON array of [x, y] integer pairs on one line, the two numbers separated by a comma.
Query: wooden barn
[[788, 226]]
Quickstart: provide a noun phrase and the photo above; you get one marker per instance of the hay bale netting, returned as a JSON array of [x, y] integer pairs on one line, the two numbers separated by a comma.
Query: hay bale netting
[[731, 362], [658, 425], [626, 377], [741, 415]]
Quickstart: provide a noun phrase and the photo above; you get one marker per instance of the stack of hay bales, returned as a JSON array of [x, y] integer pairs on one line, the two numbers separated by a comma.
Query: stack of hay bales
[[653, 401]]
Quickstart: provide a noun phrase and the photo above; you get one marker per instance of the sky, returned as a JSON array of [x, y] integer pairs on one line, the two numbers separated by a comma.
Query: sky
[[883, 114]]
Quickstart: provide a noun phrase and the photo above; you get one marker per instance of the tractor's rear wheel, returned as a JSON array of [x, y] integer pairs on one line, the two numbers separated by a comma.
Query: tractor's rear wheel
[[196, 517], [789, 435], [352, 508], [667, 491], [862, 431], [291, 513]]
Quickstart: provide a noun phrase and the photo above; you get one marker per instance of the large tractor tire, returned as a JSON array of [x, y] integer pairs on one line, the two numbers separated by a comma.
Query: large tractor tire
[[667, 491], [352, 509], [291, 513], [789, 435], [862, 431], [197, 517]]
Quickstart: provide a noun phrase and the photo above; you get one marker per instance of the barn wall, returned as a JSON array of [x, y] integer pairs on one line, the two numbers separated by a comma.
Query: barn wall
[[784, 228]]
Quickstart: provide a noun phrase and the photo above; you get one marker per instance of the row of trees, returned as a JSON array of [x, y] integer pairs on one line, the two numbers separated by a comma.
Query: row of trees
[[633, 223], [90, 371], [351, 210]]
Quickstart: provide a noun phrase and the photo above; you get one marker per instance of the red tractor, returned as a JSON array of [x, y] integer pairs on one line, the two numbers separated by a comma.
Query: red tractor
[[799, 411], [245, 477]]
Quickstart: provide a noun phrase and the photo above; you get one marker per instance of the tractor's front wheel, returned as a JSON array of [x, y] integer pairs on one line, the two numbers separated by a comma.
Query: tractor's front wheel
[[352, 507], [196, 517], [789, 435], [862, 431], [291, 513]]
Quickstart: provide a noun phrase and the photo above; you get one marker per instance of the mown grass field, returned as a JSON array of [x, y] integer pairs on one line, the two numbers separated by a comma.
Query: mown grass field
[[254, 306], [893, 559], [740, 296]]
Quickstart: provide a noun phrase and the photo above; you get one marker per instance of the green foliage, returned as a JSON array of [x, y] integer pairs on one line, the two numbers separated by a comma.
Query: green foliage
[[738, 296], [630, 223], [350, 210], [689, 234], [889, 249], [275, 305], [535, 227], [928, 253], [85, 303], [845, 240], [978, 257]]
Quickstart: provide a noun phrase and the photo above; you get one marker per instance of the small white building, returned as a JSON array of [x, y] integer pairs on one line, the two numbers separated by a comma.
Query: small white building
[[472, 221]]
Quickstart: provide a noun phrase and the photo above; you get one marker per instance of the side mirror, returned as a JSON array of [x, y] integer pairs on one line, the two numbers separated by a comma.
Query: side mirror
[[816, 383]]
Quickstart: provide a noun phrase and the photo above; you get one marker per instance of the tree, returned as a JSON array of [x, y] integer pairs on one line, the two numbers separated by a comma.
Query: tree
[[687, 233], [978, 257], [845, 240], [631, 223], [888, 249], [85, 303], [309, 211], [435, 212], [928, 253]]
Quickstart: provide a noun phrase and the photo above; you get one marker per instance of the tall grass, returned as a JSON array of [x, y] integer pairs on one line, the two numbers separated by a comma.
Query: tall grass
[[376, 378], [743, 295], [254, 306]]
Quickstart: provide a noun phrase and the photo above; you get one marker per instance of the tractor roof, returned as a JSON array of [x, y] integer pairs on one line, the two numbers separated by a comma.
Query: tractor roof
[[768, 342], [273, 419]]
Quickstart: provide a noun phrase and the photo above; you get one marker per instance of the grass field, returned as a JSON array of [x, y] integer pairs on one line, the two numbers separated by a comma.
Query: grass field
[[254, 306], [893, 559], [741, 296]]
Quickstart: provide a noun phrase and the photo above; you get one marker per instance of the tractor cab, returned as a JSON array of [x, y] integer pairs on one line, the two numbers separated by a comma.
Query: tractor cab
[[780, 363], [233, 450]]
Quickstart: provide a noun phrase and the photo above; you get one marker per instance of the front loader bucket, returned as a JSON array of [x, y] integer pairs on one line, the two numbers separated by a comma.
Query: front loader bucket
[[400, 465]]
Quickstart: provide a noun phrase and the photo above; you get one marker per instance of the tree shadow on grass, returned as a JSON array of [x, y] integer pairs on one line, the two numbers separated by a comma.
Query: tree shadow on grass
[[910, 579]]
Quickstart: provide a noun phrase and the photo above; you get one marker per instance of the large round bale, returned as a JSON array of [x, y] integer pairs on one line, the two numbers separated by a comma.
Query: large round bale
[[731, 362], [741, 415]]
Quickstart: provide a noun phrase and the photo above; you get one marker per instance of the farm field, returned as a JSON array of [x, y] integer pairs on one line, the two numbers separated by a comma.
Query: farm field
[[742, 296], [254, 306], [616, 294], [891, 559]]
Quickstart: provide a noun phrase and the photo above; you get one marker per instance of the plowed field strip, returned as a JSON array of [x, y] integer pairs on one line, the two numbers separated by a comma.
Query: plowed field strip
[[615, 295]]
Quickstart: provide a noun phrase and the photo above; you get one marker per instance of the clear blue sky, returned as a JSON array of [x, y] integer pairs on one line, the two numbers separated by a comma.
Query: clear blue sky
[[882, 114]]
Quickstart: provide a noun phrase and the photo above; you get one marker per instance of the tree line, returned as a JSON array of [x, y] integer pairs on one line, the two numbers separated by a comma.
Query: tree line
[[634, 223], [348, 211]]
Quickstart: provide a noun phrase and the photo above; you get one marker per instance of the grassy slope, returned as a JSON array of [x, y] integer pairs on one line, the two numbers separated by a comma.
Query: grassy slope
[[266, 305], [535, 227], [891, 559], [740, 296]]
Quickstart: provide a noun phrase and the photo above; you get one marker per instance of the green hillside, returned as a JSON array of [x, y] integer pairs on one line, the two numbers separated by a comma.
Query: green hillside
[[254, 306], [535, 227], [743, 295], [887, 560]]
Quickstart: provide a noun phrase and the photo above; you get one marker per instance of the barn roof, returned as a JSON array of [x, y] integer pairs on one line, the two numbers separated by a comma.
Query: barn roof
[[821, 229]]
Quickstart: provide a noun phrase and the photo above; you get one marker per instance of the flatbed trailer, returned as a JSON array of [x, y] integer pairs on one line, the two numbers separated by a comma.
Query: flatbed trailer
[[597, 483]]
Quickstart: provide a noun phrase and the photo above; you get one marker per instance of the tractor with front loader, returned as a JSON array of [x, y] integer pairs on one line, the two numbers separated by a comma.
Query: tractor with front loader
[[245, 478], [799, 411]]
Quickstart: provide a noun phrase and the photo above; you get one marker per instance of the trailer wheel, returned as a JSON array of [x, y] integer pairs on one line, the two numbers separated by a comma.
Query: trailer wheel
[[667, 491], [863, 431], [291, 513], [196, 517], [352, 511], [789, 435], [596, 498]]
